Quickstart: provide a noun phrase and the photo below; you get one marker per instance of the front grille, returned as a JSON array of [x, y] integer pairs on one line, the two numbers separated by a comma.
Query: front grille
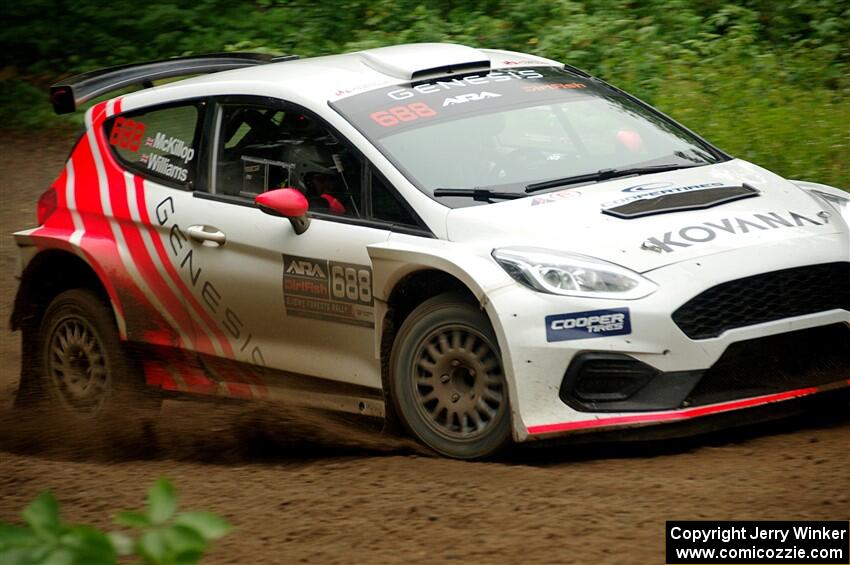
[[765, 298], [774, 364]]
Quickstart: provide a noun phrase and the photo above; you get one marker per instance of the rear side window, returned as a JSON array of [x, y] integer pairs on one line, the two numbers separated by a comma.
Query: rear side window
[[160, 144]]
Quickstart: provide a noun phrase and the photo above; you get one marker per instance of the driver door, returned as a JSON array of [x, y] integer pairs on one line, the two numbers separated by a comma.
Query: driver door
[[296, 303]]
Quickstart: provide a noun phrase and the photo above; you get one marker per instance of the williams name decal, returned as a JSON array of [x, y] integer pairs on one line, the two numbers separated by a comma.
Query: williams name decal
[[162, 165], [590, 324], [708, 231], [328, 290]]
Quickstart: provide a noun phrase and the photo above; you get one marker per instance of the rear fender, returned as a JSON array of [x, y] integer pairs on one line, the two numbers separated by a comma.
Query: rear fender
[[44, 258]]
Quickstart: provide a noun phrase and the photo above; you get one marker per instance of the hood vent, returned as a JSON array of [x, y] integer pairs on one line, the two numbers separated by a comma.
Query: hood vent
[[681, 201], [420, 60]]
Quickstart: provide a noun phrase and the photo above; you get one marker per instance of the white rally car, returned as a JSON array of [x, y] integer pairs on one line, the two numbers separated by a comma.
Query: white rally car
[[484, 245]]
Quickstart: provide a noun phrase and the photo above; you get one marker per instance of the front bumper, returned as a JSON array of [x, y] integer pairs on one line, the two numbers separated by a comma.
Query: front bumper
[[536, 368], [604, 382]]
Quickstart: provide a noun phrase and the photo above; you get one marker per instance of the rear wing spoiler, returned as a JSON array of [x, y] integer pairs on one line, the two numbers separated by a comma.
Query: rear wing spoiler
[[68, 94]]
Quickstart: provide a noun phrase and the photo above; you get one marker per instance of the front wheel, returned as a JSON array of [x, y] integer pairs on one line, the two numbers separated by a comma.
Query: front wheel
[[447, 382]]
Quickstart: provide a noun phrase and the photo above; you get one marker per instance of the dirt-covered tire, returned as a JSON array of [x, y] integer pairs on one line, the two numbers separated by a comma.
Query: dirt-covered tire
[[81, 366], [446, 379]]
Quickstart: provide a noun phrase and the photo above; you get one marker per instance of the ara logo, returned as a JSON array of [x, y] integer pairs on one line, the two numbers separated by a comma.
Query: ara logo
[[304, 268], [586, 325], [471, 97], [708, 231]]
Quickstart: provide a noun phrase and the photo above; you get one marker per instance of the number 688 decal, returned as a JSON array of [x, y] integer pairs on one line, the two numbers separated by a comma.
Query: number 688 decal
[[126, 134], [351, 283]]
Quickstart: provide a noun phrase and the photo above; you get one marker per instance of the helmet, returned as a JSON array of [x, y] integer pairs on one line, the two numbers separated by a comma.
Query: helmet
[[307, 160], [315, 173]]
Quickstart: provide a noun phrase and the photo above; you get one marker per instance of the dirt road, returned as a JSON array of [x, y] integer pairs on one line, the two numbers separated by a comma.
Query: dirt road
[[326, 492]]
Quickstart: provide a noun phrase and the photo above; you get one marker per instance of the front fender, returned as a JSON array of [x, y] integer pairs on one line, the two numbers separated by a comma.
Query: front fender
[[402, 255]]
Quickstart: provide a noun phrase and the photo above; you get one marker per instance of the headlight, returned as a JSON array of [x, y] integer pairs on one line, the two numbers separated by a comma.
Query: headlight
[[841, 204], [571, 275]]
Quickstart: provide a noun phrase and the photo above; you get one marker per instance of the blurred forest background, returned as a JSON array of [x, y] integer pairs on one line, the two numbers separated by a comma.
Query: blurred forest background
[[766, 80]]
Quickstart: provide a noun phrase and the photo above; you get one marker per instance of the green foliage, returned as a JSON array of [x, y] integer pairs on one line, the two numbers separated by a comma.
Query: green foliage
[[165, 539], [765, 80], [47, 540]]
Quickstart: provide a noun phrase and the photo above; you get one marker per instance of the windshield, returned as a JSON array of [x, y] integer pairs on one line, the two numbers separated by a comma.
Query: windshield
[[507, 130]]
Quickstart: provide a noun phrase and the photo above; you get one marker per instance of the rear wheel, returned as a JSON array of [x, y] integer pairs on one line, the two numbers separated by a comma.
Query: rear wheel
[[82, 365], [446, 379]]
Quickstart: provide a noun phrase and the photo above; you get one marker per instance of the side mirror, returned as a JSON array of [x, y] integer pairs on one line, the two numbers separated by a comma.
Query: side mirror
[[288, 203]]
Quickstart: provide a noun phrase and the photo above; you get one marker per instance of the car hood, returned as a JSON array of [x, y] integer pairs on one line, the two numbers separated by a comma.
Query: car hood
[[574, 219]]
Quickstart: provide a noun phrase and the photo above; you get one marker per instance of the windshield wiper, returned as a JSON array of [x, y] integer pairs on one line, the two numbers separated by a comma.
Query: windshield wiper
[[478, 194], [606, 174]]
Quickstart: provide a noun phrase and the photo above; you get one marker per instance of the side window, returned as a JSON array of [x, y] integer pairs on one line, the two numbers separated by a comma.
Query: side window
[[161, 144], [261, 148], [386, 205]]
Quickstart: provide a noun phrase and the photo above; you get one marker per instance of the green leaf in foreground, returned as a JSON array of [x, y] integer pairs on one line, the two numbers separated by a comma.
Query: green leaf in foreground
[[152, 546], [22, 556], [20, 546], [162, 502], [16, 536], [132, 519], [89, 545], [183, 539], [42, 515], [60, 556], [123, 544], [207, 524], [165, 539]]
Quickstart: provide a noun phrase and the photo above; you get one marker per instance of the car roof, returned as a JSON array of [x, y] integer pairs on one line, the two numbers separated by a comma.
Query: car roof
[[318, 80]]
